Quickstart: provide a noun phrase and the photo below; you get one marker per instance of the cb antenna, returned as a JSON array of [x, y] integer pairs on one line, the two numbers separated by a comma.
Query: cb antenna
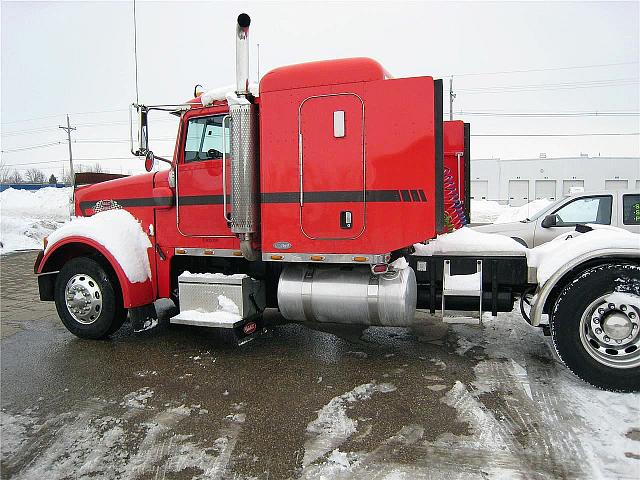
[[135, 47]]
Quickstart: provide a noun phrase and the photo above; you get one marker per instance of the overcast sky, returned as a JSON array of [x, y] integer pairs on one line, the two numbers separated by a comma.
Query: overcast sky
[[77, 57]]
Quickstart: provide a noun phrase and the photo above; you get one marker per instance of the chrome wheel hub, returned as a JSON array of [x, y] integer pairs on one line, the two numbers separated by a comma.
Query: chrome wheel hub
[[83, 298], [610, 330]]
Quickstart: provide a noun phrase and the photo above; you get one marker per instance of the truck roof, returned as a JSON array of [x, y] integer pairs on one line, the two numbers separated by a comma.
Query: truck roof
[[326, 72]]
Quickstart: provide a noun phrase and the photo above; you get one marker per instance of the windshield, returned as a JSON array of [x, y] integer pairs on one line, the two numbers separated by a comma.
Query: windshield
[[544, 211]]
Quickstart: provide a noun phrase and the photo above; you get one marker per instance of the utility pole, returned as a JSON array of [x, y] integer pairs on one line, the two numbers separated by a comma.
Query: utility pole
[[451, 97], [69, 129]]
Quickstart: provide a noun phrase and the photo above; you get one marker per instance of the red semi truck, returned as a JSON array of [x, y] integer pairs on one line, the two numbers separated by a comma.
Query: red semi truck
[[301, 198]]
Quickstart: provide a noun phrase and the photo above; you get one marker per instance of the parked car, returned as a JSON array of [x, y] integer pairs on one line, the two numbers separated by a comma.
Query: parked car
[[620, 209]]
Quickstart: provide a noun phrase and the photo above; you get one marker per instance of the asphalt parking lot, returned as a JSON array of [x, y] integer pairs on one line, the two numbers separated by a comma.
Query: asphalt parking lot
[[434, 401]]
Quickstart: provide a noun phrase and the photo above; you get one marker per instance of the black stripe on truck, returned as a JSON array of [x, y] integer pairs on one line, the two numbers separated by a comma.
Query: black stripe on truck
[[346, 196]]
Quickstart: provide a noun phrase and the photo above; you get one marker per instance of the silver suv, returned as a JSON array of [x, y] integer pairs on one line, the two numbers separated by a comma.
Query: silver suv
[[619, 209]]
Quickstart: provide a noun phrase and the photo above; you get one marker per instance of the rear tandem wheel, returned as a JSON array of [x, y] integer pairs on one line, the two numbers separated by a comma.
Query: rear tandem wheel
[[595, 326]]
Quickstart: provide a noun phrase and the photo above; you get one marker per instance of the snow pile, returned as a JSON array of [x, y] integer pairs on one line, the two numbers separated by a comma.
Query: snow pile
[[516, 214], [119, 233], [228, 313], [186, 275], [466, 240], [27, 216], [228, 92], [486, 211], [550, 257]]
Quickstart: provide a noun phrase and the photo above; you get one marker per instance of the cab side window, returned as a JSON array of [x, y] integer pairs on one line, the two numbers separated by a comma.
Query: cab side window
[[631, 209], [204, 139], [595, 209]]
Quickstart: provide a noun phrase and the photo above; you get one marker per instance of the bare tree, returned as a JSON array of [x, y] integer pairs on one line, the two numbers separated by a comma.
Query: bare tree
[[14, 177], [34, 175]]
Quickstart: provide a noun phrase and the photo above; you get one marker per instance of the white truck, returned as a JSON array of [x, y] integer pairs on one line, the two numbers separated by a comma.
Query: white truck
[[619, 209]]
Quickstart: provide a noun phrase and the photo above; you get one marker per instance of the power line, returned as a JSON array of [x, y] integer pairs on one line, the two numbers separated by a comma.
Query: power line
[[552, 86], [56, 115], [31, 147], [544, 114], [552, 69]]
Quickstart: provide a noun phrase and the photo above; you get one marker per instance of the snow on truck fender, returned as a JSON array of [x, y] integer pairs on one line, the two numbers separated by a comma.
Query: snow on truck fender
[[119, 238], [555, 261]]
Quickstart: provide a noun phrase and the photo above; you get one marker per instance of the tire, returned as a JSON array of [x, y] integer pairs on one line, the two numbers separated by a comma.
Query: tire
[[88, 300], [595, 326]]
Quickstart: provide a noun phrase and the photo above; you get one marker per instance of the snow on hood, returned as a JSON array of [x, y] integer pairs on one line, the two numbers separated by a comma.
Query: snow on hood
[[548, 258], [119, 233], [467, 240], [227, 93]]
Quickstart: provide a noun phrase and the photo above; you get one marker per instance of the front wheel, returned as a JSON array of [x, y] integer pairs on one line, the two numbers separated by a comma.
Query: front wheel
[[595, 326], [87, 300]]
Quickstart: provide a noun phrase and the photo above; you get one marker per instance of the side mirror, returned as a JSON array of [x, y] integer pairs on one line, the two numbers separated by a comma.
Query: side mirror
[[139, 141], [549, 221]]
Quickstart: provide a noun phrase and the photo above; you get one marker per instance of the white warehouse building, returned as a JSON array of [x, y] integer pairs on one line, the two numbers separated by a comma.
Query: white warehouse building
[[520, 181]]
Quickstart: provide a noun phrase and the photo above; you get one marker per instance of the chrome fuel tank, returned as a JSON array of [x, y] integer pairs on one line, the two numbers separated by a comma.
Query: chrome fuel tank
[[347, 294]]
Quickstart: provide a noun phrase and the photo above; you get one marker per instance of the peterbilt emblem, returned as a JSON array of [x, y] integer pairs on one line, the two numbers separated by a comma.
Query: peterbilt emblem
[[282, 245], [103, 205]]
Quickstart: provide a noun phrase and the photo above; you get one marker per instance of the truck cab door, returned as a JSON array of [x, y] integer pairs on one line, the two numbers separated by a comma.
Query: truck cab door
[[199, 177]]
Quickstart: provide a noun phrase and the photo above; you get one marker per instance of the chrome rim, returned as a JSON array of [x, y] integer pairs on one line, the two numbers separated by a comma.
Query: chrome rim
[[84, 298], [610, 330]]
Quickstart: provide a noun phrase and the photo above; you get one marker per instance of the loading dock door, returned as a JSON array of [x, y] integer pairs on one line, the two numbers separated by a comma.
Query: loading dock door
[[546, 189], [616, 185], [479, 189], [567, 185], [518, 192]]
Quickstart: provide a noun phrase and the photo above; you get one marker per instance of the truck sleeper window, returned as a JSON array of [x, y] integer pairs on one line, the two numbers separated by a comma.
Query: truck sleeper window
[[204, 139]]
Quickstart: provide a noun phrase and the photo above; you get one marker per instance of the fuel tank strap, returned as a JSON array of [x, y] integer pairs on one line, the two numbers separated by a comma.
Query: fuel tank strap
[[307, 286], [372, 299]]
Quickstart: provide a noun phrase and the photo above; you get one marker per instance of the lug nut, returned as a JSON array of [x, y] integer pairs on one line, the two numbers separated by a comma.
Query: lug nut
[[601, 311], [611, 306], [623, 308], [606, 339], [632, 315], [598, 331], [596, 320], [618, 341]]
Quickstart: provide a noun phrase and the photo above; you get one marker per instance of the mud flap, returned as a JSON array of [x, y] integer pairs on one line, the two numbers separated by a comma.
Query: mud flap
[[143, 318]]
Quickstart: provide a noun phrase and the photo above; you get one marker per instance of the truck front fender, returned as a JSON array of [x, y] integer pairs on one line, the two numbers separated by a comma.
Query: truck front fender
[[51, 261], [568, 271]]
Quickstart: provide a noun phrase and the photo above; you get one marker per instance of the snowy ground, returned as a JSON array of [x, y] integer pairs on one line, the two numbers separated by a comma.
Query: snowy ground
[[435, 401], [26, 217]]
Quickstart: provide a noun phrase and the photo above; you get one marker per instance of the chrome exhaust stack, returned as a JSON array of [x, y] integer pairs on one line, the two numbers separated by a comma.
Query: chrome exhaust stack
[[244, 149], [242, 54]]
